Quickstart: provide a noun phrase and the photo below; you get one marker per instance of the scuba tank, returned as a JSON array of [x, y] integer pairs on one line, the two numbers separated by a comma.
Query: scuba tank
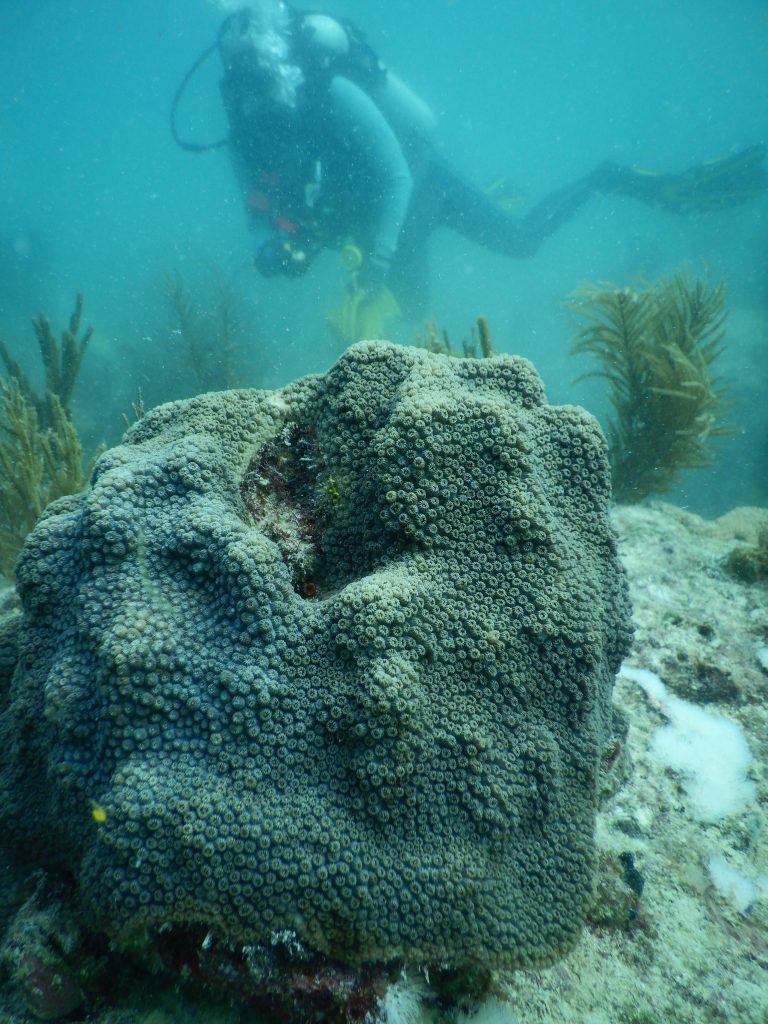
[[340, 48], [410, 117]]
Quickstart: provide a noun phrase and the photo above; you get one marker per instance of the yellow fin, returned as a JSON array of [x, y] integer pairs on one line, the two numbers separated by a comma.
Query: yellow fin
[[359, 318]]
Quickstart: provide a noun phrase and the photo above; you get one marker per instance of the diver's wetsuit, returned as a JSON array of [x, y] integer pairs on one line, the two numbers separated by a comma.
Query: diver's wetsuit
[[334, 148], [349, 175]]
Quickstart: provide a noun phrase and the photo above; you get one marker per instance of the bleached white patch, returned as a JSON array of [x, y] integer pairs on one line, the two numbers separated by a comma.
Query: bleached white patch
[[402, 1004], [491, 1012], [709, 751], [739, 890]]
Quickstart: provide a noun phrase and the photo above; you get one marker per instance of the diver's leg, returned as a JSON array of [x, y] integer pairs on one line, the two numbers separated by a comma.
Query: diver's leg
[[409, 281], [446, 199], [547, 216], [465, 208], [409, 274]]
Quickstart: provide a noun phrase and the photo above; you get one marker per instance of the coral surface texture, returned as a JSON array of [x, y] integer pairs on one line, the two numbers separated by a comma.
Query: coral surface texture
[[334, 660]]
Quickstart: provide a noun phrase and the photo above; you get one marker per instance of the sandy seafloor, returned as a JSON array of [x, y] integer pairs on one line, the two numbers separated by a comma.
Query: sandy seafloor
[[688, 951]]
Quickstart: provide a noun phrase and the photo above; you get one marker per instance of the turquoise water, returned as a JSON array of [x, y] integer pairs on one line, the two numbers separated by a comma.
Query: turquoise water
[[97, 198]]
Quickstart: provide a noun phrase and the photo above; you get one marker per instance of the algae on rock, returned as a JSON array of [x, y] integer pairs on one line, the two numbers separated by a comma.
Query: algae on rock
[[749, 562]]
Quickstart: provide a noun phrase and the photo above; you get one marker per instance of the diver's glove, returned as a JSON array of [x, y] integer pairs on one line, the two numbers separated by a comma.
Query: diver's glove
[[372, 276], [282, 254]]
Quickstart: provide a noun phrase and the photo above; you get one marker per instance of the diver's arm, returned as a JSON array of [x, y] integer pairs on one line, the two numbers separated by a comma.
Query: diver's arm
[[360, 119]]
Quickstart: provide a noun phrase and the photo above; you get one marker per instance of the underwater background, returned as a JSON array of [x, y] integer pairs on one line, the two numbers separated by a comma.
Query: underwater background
[[97, 198]]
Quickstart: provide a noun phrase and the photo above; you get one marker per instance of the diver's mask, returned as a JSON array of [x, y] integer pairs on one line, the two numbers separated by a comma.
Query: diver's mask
[[256, 46], [254, 116], [261, 86]]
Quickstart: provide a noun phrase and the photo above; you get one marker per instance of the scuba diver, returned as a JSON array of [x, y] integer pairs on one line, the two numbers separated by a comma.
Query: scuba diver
[[331, 148]]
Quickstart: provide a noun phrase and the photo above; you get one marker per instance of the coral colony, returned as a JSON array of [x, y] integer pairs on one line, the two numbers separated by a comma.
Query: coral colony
[[312, 688]]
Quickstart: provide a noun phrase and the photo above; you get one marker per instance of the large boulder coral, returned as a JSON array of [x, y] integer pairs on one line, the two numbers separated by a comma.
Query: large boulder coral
[[333, 661]]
